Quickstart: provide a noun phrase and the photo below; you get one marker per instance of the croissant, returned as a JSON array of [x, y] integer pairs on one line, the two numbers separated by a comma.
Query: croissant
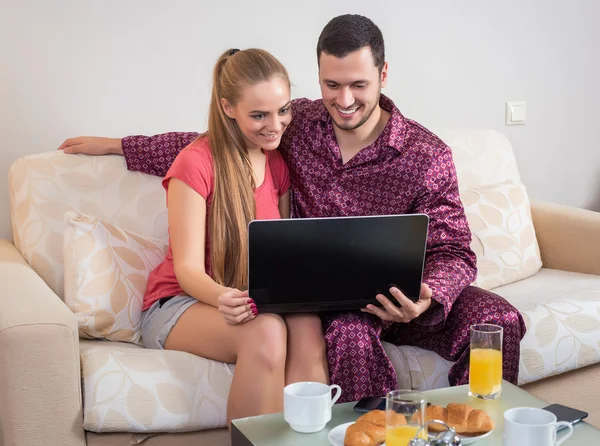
[[462, 417], [369, 429]]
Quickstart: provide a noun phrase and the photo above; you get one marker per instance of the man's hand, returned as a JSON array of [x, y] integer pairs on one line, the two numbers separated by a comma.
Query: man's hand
[[236, 307], [408, 311], [92, 145]]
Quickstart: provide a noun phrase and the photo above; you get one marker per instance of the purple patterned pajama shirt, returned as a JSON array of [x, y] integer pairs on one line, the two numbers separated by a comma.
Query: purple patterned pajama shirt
[[406, 170]]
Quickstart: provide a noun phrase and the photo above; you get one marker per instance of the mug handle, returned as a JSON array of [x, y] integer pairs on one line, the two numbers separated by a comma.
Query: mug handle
[[565, 424], [337, 394]]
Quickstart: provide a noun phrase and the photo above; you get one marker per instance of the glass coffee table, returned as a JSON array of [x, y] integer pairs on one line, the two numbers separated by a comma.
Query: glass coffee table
[[272, 430]]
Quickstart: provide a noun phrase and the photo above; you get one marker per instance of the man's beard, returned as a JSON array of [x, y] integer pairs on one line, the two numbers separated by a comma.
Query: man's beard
[[365, 118]]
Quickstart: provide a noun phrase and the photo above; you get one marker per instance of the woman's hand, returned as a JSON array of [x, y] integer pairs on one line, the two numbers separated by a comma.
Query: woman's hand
[[236, 307]]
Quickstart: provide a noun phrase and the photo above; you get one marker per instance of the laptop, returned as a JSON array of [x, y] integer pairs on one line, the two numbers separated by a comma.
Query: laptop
[[338, 263]]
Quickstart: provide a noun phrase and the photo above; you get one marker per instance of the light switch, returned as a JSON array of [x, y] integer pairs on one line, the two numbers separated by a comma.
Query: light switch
[[515, 112]]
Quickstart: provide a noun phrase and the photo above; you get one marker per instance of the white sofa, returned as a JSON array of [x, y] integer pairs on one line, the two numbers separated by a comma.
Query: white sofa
[[54, 387]]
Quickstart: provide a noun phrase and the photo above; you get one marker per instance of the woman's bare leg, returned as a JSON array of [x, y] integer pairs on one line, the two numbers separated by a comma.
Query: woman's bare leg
[[306, 353], [258, 348]]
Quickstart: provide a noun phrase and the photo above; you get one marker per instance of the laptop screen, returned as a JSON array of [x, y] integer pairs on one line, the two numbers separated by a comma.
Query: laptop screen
[[334, 263]]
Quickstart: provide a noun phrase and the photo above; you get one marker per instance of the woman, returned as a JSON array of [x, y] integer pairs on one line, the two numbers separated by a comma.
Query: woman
[[232, 174]]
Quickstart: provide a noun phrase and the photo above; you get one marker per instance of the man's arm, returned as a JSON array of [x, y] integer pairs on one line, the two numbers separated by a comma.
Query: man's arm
[[148, 154], [450, 264]]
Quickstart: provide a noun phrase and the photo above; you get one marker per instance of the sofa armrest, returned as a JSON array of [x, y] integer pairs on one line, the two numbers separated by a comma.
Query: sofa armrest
[[40, 387], [569, 238]]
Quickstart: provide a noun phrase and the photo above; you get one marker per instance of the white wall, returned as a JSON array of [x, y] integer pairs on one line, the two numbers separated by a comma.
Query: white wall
[[118, 67]]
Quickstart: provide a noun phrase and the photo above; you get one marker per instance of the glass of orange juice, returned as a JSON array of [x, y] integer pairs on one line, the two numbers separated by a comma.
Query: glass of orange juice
[[404, 417], [485, 370]]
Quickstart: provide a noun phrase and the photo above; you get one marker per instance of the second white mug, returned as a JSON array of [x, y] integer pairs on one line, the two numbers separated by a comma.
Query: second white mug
[[528, 426], [307, 405]]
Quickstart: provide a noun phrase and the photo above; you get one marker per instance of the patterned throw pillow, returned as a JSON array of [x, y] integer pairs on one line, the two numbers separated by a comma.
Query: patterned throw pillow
[[503, 235], [106, 270]]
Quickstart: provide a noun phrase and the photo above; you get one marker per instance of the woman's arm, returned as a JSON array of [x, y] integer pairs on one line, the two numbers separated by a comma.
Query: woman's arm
[[187, 232], [284, 205]]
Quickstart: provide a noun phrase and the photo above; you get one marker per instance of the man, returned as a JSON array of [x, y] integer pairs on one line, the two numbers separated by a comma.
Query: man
[[353, 153]]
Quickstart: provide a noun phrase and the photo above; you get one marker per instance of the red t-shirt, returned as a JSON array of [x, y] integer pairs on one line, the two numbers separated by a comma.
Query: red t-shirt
[[194, 166]]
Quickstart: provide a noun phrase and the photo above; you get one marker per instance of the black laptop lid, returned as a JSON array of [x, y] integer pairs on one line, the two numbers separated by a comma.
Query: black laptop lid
[[336, 263]]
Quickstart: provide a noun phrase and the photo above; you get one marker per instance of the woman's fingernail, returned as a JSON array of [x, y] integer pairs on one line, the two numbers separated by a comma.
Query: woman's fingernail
[[253, 306], [254, 311], [250, 301]]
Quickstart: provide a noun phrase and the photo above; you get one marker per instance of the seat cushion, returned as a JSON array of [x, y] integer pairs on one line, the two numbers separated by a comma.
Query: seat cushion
[[562, 313], [131, 389], [417, 368]]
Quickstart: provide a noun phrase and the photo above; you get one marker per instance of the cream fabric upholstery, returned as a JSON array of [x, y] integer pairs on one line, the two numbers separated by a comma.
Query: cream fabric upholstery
[[483, 157], [43, 187], [569, 238], [562, 313], [106, 271], [503, 236], [132, 389], [129, 388], [39, 360]]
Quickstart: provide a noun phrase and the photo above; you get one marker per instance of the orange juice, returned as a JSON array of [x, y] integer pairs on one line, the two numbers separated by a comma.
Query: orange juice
[[485, 371], [401, 435]]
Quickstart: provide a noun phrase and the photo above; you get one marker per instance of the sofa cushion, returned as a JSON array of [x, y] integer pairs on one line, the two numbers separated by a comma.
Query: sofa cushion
[[483, 157], [417, 368], [44, 186], [127, 388], [562, 313], [503, 234], [184, 392], [106, 270]]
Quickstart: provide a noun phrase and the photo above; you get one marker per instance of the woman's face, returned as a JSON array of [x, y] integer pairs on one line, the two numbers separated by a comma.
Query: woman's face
[[262, 113]]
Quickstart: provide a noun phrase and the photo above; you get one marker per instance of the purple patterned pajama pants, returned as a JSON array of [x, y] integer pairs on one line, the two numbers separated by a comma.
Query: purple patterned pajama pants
[[359, 365]]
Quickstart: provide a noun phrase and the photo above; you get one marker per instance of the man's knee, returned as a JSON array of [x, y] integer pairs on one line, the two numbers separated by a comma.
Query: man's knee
[[494, 309], [352, 327]]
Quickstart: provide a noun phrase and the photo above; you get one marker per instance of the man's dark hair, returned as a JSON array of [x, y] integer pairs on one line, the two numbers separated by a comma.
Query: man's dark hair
[[347, 33]]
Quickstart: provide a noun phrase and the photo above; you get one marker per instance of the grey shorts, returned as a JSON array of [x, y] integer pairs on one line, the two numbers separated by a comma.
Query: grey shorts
[[158, 321]]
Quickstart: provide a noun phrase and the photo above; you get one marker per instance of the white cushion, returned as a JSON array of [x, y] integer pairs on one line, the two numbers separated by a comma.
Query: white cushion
[[106, 271], [43, 187], [131, 389], [503, 236], [562, 313], [417, 368], [483, 157]]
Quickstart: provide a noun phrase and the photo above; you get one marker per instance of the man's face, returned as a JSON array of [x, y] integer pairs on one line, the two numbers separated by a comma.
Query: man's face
[[351, 87]]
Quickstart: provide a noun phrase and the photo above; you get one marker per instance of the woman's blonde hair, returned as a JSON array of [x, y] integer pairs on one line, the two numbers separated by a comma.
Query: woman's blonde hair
[[233, 205]]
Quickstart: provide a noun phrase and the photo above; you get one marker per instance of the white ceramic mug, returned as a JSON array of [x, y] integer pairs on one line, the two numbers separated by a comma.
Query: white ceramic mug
[[307, 405], [528, 426]]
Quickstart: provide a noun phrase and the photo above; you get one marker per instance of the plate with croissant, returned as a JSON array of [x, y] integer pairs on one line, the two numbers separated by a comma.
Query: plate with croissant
[[369, 429]]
